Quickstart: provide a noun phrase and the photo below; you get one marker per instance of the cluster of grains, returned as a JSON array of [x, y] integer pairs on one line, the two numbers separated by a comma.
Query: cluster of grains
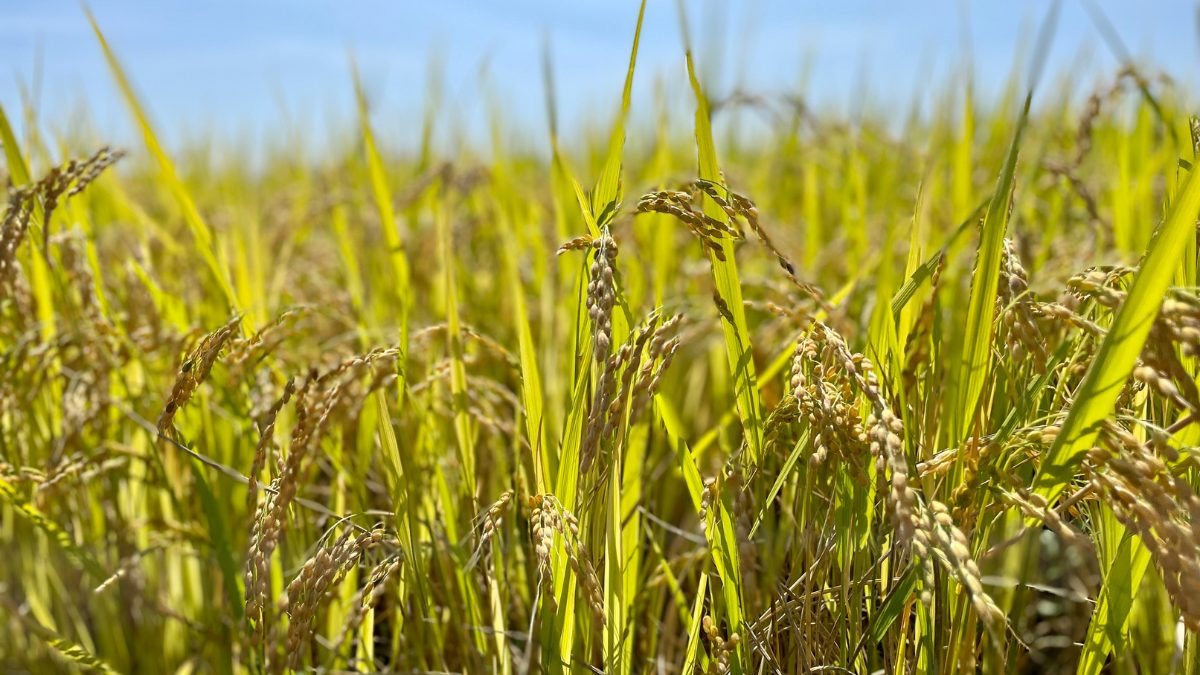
[[315, 400], [194, 370], [370, 595], [1015, 307], [24, 202], [17, 214], [1065, 315], [266, 442], [929, 529], [581, 243], [885, 432], [641, 362], [1087, 296], [489, 523], [247, 352], [1150, 499], [1098, 284], [307, 591], [826, 400], [1035, 506], [659, 357], [1175, 331], [720, 649], [541, 520], [953, 550], [1163, 374], [735, 205], [548, 518], [268, 526], [710, 231], [623, 364], [1070, 169], [601, 296], [1179, 322]]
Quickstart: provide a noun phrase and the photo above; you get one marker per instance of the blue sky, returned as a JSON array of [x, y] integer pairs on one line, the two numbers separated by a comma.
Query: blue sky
[[248, 68]]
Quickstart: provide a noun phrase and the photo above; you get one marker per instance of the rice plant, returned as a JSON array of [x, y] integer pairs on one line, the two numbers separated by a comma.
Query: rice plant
[[853, 396]]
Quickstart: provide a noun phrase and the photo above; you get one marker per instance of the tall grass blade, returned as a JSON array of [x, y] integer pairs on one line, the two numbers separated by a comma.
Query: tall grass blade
[[206, 244]]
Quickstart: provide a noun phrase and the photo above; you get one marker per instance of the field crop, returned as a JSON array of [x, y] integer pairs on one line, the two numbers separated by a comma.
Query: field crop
[[852, 396]]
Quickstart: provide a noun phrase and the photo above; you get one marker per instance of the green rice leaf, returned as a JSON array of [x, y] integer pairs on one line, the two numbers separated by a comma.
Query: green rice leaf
[[201, 232], [606, 197], [977, 346], [738, 348]]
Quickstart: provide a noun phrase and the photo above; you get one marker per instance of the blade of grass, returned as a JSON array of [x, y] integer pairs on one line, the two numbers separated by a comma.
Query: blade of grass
[[691, 659], [463, 429], [398, 482], [718, 530], [977, 346], [220, 542], [17, 168], [606, 196], [381, 193], [738, 348], [1109, 626], [924, 271], [205, 242]]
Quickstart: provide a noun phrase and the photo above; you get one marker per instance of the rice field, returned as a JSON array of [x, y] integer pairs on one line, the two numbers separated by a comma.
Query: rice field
[[854, 396]]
